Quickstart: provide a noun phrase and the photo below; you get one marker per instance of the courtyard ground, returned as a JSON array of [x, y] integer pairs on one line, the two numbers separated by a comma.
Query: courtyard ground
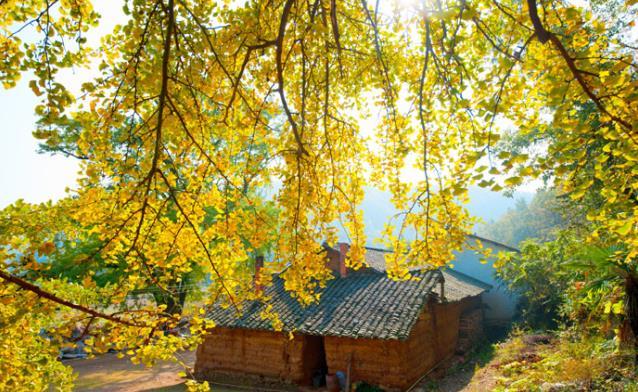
[[109, 373]]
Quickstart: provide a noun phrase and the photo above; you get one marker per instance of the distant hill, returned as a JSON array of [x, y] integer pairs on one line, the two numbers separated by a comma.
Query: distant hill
[[378, 210], [485, 204], [489, 205]]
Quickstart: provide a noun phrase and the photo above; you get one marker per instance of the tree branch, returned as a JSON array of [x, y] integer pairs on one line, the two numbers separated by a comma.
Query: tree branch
[[543, 36], [279, 43], [51, 297]]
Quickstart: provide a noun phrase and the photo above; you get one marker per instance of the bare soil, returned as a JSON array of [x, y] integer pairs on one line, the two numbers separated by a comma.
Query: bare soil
[[480, 371], [109, 373]]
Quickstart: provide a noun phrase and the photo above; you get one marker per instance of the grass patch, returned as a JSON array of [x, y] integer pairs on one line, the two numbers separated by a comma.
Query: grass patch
[[561, 362]]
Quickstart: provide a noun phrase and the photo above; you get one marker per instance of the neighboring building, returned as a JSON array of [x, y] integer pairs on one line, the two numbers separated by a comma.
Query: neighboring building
[[500, 303], [365, 325]]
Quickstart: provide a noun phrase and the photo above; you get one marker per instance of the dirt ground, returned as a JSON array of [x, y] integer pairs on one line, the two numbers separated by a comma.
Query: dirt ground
[[481, 370], [467, 380], [109, 373], [452, 377]]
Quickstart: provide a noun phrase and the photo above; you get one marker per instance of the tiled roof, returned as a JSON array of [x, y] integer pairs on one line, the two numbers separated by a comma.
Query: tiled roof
[[459, 286], [375, 258], [365, 304]]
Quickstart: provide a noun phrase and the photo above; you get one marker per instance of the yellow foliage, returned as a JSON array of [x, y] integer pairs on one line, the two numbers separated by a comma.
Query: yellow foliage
[[200, 108]]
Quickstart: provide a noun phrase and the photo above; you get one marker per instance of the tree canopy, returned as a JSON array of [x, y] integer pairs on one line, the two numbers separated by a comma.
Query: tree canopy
[[199, 105], [540, 218]]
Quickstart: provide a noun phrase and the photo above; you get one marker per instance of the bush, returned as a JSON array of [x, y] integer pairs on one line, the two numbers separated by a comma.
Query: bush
[[537, 275], [570, 361]]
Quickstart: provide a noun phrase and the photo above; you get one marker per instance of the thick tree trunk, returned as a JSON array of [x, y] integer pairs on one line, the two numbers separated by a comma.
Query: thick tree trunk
[[174, 301], [631, 309]]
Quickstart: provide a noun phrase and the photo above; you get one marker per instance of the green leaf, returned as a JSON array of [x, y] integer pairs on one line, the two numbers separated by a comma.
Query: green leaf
[[514, 181], [626, 228]]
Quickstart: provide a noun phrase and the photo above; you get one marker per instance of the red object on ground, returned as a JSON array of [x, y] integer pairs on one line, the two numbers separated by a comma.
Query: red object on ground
[[332, 383]]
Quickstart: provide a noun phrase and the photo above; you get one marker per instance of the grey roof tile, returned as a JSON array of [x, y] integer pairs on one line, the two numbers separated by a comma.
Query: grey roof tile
[[365, 304]]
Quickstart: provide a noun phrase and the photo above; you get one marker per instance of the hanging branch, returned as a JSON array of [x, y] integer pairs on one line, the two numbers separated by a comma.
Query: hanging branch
[[279, 44], [544, 36], [160, 120], [51, 297], [335, 31]]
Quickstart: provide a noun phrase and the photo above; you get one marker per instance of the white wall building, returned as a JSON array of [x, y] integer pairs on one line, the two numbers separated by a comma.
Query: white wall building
[[501, 304]]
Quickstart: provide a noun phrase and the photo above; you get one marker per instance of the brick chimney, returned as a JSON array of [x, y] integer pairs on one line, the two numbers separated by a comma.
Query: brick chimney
[[343, 252], [259, 264], [336, 259]]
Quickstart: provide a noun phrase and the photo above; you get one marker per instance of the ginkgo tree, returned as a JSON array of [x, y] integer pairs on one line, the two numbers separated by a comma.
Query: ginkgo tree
[[198, 104]]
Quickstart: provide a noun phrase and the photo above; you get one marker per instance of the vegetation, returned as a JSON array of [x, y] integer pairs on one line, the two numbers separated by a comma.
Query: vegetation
[[197, 106], [538, 219], [577, 286], [572, 273], [566, 362]]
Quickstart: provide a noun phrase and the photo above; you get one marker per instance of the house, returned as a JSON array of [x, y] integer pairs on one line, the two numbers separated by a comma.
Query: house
[[365, 325], [500, 303]]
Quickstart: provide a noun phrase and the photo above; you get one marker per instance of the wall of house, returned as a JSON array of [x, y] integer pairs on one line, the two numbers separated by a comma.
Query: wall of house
[[397, 364], [269, 354], [470, 330], [433, 339], [500, 303], [372, 360]]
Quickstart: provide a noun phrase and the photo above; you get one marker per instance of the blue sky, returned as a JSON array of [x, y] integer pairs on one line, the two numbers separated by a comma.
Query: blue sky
[[25, 174]]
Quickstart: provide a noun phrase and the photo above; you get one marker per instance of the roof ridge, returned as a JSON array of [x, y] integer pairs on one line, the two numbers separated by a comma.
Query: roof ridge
[[483, 239], [379, 249], [473, 280]]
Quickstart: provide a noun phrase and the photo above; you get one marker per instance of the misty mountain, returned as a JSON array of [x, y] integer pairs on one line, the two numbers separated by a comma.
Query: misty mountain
[[484, 204]]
